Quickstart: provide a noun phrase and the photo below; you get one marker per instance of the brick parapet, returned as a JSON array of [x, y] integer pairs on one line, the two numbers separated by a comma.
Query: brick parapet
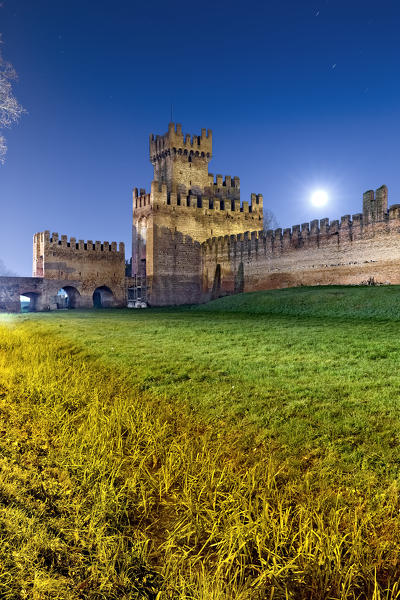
[[94, 264], [161, 196], [175, 142], [56, 241], [316, 234]]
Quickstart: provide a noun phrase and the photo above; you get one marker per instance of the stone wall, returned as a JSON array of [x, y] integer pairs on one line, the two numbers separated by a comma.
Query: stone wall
[[174, 274], [42, 293], [11, 288], [165, 222], [94, 265], [352, 251]]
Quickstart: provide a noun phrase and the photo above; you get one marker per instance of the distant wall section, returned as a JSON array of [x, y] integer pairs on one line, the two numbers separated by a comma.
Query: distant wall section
[[350, 251]]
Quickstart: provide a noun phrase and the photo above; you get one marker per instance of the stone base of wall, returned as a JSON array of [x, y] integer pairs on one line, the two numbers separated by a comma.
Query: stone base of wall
[[43, 293]]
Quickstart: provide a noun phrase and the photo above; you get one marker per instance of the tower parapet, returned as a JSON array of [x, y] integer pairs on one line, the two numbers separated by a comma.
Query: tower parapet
[[160, 196], [174, 141]]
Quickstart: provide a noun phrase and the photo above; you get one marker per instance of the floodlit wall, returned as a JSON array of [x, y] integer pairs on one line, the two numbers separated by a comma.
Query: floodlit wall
[[354, 250], [93, 264]]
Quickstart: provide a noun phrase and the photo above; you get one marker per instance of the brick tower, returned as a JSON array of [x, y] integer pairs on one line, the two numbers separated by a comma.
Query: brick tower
[[184, 208]]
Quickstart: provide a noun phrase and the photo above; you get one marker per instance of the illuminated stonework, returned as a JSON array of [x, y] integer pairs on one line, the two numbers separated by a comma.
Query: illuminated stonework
[[193, 240]]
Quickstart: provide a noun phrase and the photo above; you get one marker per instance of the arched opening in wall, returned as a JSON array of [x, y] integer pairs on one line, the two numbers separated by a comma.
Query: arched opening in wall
[[216, 289], [239, 279], [67, 297], [103, 297], [28, 301]]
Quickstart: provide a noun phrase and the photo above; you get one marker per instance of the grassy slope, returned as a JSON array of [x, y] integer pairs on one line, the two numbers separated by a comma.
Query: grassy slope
[[321, 392], [350, 302], [310, 383]]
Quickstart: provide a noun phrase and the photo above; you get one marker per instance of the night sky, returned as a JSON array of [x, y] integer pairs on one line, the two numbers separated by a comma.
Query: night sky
[[299, 95]]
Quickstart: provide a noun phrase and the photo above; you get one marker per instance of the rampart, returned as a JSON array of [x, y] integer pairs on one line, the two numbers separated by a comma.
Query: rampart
[[353, 250], [42, 293], [94, 264]]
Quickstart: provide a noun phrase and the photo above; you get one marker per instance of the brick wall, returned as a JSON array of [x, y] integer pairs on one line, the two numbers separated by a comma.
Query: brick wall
[[94, 264], [351, 251]]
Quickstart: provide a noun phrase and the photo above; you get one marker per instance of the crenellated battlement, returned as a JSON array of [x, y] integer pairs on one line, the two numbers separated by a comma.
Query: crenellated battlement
[[160, 196], [224, 182], [352, 250], [314, 234], [55, 240], [141, 198], [175, 142]]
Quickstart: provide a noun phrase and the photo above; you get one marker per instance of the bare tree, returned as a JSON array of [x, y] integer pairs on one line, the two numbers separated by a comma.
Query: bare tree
[[270, 221], [10, 108]]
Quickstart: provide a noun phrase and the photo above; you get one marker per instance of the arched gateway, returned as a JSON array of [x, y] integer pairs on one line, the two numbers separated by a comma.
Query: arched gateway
[[103, 297], [29, 301], [68, 297]]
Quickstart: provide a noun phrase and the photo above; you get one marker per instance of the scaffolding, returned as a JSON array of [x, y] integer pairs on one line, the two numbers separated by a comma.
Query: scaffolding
[[137, 293]]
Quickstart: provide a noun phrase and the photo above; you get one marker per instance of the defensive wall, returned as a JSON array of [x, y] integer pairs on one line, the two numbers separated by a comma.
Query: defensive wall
[[193, 240], [95, 265], [354, 250], [41, 292], [91, 274]]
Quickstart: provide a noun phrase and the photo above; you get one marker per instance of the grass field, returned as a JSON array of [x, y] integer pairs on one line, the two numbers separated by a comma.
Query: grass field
[[248, 448]]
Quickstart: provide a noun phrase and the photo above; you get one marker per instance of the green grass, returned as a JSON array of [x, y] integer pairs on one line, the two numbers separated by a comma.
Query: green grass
[[246, 448], [354, 302]]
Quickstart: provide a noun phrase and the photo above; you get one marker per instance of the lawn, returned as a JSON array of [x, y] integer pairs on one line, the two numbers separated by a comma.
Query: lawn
[[248, 448]]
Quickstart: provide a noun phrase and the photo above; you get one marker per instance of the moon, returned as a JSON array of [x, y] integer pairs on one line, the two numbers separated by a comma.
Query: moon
[[319, 198]]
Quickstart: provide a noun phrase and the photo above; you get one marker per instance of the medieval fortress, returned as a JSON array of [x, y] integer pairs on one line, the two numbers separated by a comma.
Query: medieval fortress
[[194, 240]]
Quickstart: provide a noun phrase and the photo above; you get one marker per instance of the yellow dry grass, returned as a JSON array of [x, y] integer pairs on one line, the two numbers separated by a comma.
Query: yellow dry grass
[[108, 493]]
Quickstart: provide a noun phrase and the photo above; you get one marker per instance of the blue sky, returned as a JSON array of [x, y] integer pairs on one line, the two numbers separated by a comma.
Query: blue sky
[[299, 95]]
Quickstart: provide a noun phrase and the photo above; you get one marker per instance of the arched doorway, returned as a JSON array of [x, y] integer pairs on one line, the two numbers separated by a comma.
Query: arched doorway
[[67, 297], [28, 301], [103, 297]]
